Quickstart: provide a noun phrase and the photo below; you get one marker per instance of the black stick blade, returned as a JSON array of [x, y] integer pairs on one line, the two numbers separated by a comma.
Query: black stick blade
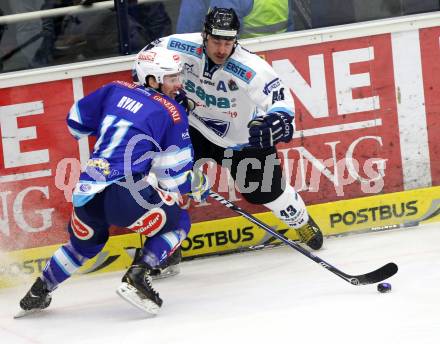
[[375, 276]]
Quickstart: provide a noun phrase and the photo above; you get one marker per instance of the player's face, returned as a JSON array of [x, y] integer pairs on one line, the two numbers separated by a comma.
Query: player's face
[[172, 84], [218, 50]]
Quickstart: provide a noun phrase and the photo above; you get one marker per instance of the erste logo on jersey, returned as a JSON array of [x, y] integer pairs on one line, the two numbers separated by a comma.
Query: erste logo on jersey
[[239, 70], [151, 223], [185, 47], [171, 109]]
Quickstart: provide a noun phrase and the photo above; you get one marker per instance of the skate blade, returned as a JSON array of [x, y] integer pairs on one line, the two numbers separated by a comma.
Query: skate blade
[[129, 294], [167, 272], [23, 313]]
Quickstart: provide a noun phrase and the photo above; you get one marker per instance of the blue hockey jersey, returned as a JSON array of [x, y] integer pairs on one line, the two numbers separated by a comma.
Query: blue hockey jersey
[[139, 131]]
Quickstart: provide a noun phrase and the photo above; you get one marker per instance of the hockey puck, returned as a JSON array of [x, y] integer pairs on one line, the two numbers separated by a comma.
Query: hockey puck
[[384, 287]]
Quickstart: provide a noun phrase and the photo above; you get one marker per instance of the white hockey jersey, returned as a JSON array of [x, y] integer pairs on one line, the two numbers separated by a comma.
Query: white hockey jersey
[[244, 87]]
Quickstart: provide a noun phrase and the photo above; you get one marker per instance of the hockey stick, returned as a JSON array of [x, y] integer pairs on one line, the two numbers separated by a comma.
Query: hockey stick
[[375, 276]]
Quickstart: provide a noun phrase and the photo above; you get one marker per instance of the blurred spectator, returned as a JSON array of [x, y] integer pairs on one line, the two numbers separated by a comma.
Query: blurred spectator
[[51, 29], [192, 15], [153, 18], [2, 26], [336, 12], [94, 35], [301, 11], [2, 29], [377, 9], [28, 33], [331, 12], [257, 17]]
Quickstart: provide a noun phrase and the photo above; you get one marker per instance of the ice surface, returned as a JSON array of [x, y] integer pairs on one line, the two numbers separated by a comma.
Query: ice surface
[[274, 296]]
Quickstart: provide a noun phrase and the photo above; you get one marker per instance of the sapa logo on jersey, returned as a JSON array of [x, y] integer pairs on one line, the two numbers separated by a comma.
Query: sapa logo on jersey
[[81, 230], [151, 223], [208, 99]]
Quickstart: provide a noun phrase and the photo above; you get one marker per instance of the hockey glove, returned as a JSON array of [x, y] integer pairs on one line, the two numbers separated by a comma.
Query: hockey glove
[[186, 102], [266, 131], [199, 186]]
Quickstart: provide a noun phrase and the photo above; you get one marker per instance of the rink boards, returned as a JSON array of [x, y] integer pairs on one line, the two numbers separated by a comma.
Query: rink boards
[[235, 234], [365, 152]]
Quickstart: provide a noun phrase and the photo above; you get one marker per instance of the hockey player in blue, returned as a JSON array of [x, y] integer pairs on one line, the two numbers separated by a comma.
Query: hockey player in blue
[[140, 167]]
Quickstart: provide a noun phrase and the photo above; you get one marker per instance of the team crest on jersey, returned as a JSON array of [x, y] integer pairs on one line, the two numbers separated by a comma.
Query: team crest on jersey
[[185, 47], [240, 70], [190, 69], [216, 125], [232, 85], [170, 107], [96, 167], [185, 135]]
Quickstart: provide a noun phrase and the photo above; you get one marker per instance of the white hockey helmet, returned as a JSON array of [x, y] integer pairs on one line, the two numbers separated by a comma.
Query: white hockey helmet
[[158, 62]]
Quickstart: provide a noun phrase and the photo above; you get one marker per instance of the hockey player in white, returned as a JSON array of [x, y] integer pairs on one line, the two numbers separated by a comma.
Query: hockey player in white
[[240, 110]]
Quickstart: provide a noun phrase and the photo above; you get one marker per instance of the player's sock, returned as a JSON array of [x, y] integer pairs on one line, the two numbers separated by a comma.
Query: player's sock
[[65, 261], [170, 267], [290, 208]]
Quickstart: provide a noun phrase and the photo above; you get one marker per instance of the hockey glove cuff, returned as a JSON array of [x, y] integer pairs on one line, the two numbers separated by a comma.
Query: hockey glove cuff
[[266, 131]]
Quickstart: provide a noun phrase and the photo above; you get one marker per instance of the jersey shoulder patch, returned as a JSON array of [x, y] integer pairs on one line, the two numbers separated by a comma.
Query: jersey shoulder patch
[[171, 109], [239, 70], [185, 47]]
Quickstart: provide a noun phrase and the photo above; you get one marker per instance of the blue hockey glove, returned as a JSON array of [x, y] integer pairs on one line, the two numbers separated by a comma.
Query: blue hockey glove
[[199, 186], [186, 102], [266, 131]]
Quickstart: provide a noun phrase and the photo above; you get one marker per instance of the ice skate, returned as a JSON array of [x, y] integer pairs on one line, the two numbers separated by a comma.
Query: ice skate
[[136, 289], [311, 235], [36, 299]]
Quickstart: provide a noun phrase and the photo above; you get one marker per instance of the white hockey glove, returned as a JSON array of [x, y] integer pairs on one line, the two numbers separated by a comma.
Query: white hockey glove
[[199, 186], [266, 131]]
